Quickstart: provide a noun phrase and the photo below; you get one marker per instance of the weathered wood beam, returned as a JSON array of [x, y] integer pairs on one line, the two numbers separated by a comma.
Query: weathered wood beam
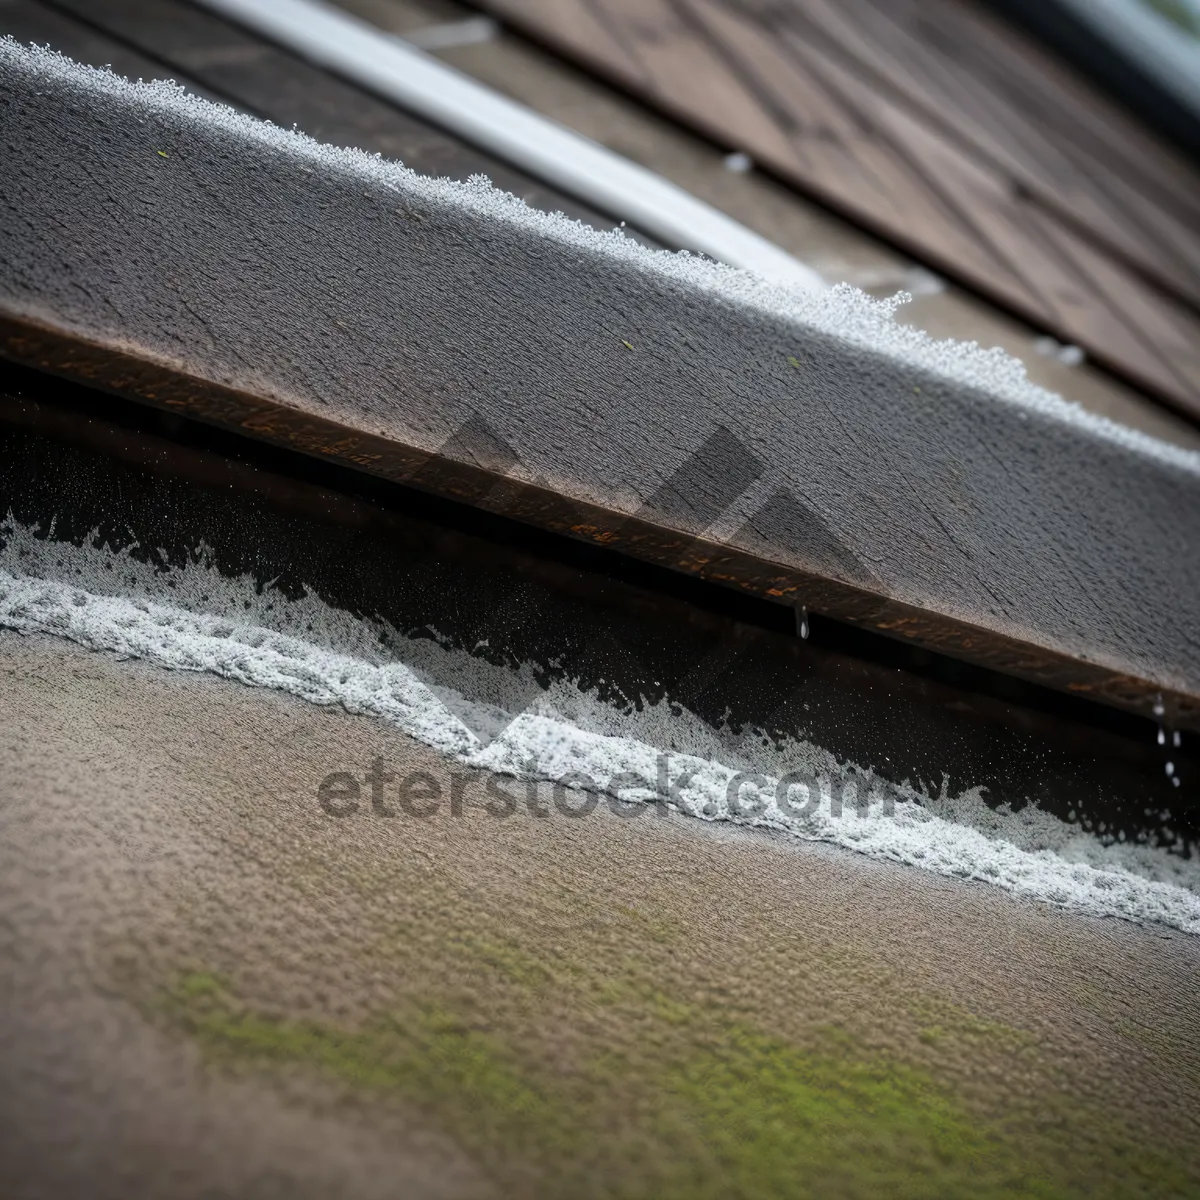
[[802, 449]]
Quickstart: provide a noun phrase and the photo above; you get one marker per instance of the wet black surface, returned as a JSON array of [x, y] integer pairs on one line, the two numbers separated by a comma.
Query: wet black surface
[[79, 464]]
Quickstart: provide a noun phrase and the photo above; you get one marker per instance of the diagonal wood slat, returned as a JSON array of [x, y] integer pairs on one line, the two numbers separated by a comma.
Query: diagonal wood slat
[[942, 91], [939, 127], [690, 74], [839, 134], [1065, 107]]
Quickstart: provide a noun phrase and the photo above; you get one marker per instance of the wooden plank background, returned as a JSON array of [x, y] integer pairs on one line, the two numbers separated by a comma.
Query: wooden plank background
[[941, 128]]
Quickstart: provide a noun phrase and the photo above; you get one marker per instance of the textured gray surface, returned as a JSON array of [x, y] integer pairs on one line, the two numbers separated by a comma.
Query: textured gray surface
[[154, 824], [276, 271]]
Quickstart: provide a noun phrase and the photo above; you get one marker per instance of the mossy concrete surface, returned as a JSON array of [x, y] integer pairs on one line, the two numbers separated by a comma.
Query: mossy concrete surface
[[213, 987]]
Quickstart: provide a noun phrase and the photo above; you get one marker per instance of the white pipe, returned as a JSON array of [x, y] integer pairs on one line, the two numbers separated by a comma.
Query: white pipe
[[473, 31], [544, 149]]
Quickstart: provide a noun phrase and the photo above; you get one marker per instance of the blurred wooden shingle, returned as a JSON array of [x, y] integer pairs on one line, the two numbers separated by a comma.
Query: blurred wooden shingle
[[936, 125]]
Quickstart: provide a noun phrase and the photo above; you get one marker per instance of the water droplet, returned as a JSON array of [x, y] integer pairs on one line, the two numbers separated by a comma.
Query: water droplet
[[738, 163], [1162, 736], [1159, 708], [802, 622], [1175, 738], [1170, 768]]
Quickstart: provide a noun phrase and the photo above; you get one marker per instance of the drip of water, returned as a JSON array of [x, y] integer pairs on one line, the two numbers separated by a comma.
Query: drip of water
[[1176, 740]]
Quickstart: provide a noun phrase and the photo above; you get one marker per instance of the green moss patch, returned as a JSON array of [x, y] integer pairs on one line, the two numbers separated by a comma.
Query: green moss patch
[[679, 1103]]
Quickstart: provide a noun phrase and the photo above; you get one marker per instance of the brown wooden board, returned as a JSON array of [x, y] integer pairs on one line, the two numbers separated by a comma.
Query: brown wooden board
[[887, 111], [345, 312]]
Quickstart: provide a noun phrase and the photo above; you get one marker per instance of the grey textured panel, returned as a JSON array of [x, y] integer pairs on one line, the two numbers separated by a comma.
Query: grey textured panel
[[218, 60], [265, 285]]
